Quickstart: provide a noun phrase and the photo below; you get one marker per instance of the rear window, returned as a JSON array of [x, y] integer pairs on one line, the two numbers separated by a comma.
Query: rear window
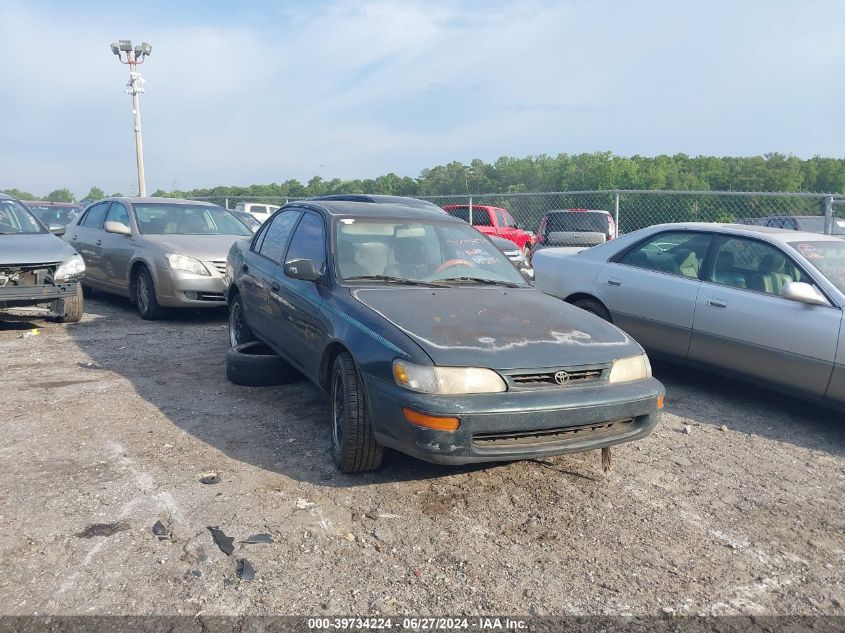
[[576, 221], [480, 217]]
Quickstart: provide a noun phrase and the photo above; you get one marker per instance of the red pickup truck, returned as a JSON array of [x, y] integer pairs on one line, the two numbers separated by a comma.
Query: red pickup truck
[[493, 221]]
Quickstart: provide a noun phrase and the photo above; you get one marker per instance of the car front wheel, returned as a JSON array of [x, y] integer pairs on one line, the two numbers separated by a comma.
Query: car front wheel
[[354, 447], [239, 331], [145, 295]]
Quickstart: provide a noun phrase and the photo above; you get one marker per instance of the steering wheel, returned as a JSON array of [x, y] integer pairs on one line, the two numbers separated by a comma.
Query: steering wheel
[[449, 263]]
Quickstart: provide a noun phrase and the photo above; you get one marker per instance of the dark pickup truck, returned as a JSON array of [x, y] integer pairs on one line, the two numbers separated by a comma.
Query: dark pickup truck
[[36, 267]]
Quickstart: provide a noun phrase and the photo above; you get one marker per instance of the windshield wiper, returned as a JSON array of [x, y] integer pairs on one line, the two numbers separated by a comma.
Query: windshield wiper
[[483, 280], [395, 280]]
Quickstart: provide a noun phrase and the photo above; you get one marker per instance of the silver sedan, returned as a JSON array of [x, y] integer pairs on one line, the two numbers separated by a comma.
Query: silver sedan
[[159, 252], [760, 303]]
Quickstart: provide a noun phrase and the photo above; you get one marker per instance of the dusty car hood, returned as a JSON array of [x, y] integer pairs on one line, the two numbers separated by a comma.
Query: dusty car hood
[[33, 248], [204, 247], [501, 328]]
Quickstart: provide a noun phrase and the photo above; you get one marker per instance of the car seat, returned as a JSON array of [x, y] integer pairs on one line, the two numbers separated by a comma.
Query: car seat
[[724, 273], [346, 260], [771, 278], [409, 253], [156, 226], [688, 263]]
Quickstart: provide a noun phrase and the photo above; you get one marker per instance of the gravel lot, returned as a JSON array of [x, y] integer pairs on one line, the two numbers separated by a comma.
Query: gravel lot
[[109, 423]]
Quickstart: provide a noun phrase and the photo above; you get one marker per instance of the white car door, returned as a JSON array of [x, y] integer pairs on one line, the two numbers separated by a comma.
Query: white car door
[[744, 325], [651, 289]]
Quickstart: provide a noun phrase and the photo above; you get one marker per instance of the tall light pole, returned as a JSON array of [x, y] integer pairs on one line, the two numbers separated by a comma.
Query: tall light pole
[[134, 56]]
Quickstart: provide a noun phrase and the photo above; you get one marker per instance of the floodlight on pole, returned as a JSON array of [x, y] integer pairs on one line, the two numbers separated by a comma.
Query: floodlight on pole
[[133, 57]]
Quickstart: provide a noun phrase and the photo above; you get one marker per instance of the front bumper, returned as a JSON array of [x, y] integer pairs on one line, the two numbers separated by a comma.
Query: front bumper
[[11, 296], [515, 424], [179, 289]]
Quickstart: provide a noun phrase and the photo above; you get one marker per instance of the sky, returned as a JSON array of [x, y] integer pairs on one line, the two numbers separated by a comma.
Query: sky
[[261, 92]]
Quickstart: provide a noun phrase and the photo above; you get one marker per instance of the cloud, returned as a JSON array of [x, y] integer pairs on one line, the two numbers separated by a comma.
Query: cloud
[[265, 93]]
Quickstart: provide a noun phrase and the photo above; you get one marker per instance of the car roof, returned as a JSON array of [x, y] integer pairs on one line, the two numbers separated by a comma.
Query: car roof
[[487, 207], [374, 210], [50, 203], [150, 200], [781, 236], [380, 199]]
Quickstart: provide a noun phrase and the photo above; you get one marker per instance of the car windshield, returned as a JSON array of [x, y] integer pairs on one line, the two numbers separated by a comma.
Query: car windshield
[[392, 251], [827, 257], [55, 215], [15, 219], [160, 218], [576, 221]]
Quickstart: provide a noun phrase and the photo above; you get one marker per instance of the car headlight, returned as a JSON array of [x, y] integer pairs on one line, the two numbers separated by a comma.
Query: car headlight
[[188, 264], [447, 380], [70, 270], [631, 368]]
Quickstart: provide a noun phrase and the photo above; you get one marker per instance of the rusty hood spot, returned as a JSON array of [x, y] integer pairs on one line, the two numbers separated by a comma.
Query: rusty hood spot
[[498, 328]]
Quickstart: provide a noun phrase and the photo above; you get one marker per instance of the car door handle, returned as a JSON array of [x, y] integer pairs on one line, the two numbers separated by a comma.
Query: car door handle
[[244, 268], [717, 303], [274, 287], [614, 282]]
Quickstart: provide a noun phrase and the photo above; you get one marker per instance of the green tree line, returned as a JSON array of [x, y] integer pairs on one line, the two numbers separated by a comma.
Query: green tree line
[[564, 172]]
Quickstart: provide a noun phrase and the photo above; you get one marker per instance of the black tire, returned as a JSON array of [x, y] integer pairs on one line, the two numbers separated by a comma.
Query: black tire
[[256, 365], [145, 295], [354, 446], [239, 331], [74, 307], [595, 306]]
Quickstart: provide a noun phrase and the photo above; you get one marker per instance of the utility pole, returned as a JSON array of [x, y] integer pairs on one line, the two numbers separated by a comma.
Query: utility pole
[[126, 54]]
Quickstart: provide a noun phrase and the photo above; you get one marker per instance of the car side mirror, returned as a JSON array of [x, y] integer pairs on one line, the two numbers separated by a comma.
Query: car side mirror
[[117, 227], [803, 293], [301, 269], [57, 229]]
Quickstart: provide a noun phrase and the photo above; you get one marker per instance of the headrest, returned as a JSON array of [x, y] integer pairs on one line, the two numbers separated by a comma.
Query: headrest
[[772, 263]]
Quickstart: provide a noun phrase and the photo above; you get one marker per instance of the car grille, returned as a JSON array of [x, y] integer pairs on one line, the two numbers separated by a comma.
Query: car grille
[[551, 436], [574, 377], [28, 274], [220, 266]]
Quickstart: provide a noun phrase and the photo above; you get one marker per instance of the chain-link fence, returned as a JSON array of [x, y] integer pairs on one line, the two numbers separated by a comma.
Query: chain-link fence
[[637, 209]]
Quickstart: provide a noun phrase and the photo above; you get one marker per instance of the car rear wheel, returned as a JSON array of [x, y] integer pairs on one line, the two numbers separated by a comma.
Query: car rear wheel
[[145, 295], [594, 306], [256, 365], [354, 446], [73, 308], [239, 331]]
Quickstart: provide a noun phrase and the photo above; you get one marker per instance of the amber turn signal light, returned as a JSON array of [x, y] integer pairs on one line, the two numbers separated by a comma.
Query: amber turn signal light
[[431, 421], [660, 401]]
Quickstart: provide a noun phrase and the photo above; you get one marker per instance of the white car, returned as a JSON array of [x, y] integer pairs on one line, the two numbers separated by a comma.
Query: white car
[[261, 211], [759, 303]]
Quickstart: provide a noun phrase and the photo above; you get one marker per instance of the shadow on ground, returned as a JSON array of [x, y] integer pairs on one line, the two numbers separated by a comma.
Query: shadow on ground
[[178, 365]]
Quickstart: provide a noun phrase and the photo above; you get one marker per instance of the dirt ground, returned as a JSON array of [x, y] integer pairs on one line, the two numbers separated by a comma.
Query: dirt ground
[[109, 423]]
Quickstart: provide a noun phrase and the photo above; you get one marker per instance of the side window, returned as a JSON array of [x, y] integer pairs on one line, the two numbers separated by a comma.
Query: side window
[[507, 220], [679, 254], [118, 213], [275, 238], [744, 263], [309, 241], [96, 216], [481, 217]]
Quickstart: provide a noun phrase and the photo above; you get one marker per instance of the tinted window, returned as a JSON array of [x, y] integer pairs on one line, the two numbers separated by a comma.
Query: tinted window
[[95, 216], [754, 265], [275, 237], [480, 217], [674, 253], [118, 213], [309, 241], [576, 221]]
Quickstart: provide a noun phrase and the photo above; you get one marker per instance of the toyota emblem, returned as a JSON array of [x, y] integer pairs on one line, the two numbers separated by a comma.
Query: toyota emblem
[[561, 377]]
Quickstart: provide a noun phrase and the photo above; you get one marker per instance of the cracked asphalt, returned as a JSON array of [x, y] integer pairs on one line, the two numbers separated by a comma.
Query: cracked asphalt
[[734, 505]]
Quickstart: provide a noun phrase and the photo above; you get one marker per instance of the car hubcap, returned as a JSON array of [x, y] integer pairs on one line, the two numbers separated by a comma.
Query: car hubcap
[[235, 326], [338, 413]]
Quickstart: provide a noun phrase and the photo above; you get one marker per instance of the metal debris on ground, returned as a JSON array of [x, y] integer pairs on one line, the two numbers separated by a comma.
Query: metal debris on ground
[[210, 478], [161, 532], [258, 539], [225, 543], [245, 570]]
